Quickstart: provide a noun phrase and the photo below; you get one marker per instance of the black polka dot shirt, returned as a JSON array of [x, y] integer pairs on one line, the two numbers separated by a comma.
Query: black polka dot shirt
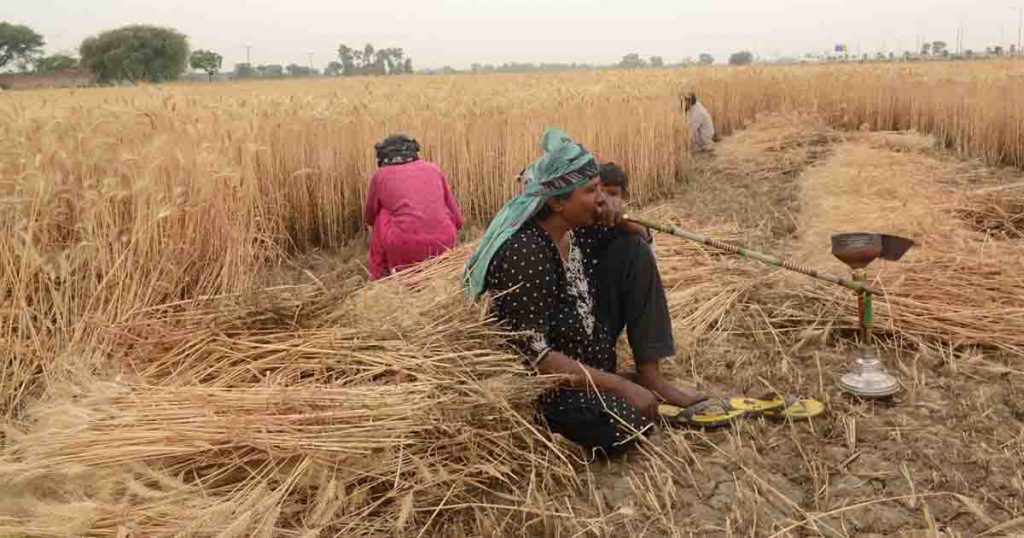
[[547, 302]]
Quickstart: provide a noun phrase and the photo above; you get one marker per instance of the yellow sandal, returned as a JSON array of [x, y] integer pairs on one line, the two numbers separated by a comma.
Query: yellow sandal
[[755, 406], [706, 413], [791, 407]]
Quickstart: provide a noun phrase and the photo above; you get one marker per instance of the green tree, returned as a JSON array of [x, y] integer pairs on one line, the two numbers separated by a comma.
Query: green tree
[[348, 60], [632, 60], [657, 61], [398, 57], [270, 71], [743, 57], [206, 60], [244, 70], [57, 62], [296, 70], [19, 44], [706, 59], [334, 69], [136, 53], [367, 57], [381, 62], [408, 66]]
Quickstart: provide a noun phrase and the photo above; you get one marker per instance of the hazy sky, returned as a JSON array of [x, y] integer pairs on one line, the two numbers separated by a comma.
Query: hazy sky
[[460, 32]]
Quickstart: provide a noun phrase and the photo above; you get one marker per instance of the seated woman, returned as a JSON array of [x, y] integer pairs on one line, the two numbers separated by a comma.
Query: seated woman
[[544, 279], [410, 207]]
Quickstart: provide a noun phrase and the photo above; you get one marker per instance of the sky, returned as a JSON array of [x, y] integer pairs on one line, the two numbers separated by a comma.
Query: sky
[[458, 33]]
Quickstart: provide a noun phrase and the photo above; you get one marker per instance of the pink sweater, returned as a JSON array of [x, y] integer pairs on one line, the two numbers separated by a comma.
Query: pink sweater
[[414, 215]]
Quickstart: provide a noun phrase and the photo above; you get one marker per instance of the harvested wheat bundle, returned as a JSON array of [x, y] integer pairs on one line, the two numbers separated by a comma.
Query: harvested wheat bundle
[[702, 284], [948, 298], [393, 404], [379, 444], [994, 211]]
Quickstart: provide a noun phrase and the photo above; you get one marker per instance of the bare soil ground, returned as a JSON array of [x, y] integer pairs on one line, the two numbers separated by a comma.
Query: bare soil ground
[[942, 457]]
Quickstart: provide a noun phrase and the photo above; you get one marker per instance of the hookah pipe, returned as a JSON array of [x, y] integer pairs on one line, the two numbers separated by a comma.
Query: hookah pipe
[[857, 250], [854, 284]]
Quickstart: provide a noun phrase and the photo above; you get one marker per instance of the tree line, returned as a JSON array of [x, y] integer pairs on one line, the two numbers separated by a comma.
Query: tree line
[[633, 60], [351, 61], [370, 61], [143, 53], [134, 53], [155, 54]]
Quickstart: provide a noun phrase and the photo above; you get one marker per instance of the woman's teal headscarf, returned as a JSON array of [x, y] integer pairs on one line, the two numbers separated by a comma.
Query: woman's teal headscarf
[[564, 166]]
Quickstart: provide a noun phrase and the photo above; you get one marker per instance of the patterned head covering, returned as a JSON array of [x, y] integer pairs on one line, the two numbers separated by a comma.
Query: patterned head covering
[[564, 166]]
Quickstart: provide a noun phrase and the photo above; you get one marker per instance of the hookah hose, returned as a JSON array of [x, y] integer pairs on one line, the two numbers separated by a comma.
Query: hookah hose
[[857, 285]]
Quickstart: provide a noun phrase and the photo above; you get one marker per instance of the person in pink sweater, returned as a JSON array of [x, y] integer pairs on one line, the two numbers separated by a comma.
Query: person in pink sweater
[[410, 208]]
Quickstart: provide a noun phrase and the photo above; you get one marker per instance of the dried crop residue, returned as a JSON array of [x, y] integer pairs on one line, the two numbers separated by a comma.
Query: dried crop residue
[[334, 407], [750, 181], [862, 189]]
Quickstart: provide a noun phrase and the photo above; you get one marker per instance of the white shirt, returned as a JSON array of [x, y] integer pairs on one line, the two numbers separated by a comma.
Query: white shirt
[[702, 130]]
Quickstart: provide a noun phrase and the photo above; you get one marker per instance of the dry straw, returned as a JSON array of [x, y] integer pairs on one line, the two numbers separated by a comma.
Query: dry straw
[[377, 411], [117, 199]]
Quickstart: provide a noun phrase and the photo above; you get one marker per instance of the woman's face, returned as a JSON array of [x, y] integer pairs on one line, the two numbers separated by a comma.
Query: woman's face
[[584, 204]]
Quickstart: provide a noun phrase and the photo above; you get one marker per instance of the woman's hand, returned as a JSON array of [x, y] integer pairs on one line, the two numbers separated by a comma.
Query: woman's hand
[[649, 376], [582, 376], [640, 398], [611, 212]]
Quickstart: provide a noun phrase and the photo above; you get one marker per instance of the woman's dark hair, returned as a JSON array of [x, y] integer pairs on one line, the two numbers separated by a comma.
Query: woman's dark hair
[[396, 149], [613, 175], [545, 211], [691, 99]]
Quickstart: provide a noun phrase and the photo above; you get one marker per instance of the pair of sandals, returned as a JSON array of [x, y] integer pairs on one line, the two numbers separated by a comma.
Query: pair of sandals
[[717, 412]]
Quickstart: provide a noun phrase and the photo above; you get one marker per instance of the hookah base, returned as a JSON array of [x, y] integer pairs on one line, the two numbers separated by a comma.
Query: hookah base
[[868, 379], [871, 385]]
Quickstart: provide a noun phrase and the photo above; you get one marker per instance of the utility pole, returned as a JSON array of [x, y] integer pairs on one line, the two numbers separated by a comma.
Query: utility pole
[[248, 55], [1020, 27], [310, 62]]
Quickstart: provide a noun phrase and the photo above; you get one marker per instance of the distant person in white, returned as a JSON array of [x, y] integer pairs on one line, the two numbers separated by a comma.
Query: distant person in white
[[702, 130]]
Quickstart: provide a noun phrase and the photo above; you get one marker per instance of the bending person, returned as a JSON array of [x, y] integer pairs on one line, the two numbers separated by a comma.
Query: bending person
[[409, 206], [698, 120]]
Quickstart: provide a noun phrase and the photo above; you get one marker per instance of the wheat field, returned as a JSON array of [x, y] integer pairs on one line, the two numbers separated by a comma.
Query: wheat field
[[134, 222]]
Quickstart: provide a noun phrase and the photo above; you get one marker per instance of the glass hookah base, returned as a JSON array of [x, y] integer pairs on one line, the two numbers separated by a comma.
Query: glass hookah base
[[869, 379]]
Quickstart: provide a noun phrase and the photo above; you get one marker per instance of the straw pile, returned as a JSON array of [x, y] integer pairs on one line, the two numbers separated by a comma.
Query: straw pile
[[995, 211], [385, 410], [954, 286]]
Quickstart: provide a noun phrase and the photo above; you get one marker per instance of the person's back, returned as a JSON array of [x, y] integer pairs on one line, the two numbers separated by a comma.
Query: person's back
[[418, 200], [410, 207], [702, 129]]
